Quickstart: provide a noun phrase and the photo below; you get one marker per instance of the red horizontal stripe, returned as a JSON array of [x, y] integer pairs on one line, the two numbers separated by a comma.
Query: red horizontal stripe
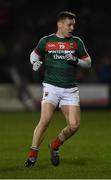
[[61, 46], [83, 57]]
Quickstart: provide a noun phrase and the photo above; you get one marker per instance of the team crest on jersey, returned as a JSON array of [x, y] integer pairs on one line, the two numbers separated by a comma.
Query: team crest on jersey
[[71, 45]]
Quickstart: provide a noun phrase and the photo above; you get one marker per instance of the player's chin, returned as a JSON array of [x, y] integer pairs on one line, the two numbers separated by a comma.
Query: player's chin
[[69, 34]]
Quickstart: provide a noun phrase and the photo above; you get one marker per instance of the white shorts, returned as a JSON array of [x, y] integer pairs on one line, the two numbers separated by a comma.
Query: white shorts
[[60, 96]]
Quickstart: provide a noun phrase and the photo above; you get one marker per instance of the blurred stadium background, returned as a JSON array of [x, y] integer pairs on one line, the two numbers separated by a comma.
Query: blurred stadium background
[[22, 24]]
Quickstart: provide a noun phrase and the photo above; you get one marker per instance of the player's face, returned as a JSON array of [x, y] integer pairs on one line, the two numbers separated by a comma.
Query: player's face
[[66, 27]]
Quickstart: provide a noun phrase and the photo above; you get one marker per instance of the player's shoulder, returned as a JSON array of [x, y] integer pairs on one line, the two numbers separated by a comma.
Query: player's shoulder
[[76, 38], [46, 38]]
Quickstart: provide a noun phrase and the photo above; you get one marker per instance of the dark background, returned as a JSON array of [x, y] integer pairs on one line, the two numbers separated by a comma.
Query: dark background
[[24, 22]]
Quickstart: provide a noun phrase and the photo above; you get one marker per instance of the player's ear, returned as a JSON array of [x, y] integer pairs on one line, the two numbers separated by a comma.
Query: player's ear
[[59, 24]]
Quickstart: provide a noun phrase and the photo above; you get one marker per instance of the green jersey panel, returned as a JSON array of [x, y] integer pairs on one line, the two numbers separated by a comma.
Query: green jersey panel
[[53, 50]]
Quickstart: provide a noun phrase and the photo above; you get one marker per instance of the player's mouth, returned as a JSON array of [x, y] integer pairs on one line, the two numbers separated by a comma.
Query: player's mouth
[[70, 33]]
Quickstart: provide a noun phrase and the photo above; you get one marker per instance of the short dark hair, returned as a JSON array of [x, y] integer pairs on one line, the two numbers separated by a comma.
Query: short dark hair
[[65, 14]]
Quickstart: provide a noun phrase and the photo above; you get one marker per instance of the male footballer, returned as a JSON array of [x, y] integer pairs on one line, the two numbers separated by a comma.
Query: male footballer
[[61, 53]]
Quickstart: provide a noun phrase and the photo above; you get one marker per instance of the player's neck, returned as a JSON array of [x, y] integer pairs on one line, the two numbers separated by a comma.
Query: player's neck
[[59, 34]]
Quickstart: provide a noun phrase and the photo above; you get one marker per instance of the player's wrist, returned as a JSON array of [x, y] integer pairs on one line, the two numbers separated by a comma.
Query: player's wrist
[[71, 59], [76, 60]]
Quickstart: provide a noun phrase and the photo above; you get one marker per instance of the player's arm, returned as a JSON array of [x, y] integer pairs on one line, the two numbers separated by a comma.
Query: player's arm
[[37, 55], [83, 59], [35, 60], [84, 62]]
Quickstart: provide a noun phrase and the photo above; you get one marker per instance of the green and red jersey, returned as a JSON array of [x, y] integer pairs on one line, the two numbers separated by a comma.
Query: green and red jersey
[[53, 49]]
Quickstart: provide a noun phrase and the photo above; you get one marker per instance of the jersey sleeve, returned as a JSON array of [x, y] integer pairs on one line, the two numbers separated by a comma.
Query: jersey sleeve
[[40, 48], [82, 52]]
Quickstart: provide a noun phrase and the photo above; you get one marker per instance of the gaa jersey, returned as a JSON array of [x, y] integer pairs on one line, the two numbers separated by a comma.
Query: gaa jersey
[[53, 49]]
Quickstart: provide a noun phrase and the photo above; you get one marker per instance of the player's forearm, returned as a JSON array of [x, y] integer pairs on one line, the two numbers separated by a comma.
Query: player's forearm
[[35, 60], [85, 63], [34, 57]]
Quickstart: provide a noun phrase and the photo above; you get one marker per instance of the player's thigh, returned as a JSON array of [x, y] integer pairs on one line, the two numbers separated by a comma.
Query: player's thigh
[[47, 110], [71, 113], [70, 97], [50, 95]]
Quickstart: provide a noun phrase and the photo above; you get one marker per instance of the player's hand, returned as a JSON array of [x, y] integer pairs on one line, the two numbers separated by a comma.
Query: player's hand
[[37, 65], [70, 58]]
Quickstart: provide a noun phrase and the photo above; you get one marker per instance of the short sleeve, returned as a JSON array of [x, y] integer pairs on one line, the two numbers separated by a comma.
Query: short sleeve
[[82, 52], [40, 48]]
